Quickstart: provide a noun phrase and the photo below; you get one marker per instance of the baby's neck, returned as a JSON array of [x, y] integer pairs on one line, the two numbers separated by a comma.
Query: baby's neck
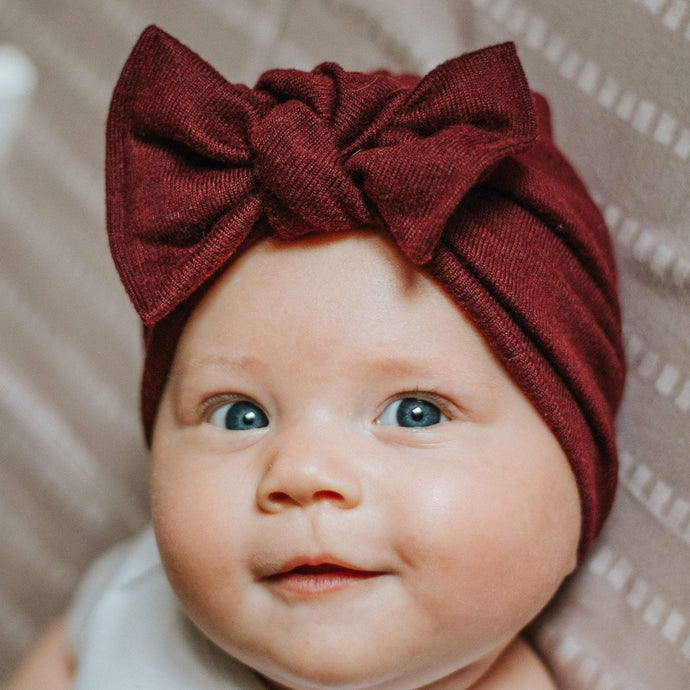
[[518, 667]]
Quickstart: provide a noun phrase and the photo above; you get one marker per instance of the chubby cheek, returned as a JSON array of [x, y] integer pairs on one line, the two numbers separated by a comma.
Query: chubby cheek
[[197, 529], [491, 544]]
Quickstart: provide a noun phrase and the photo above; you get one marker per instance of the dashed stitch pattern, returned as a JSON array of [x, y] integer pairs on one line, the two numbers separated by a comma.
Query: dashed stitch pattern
[[673, 14], [643, 115], [570, 652], [631, 234], [619, 573], [656, 495], [668, 381]]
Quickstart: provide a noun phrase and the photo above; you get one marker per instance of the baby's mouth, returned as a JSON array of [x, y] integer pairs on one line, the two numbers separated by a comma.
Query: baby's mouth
[[309, 579]]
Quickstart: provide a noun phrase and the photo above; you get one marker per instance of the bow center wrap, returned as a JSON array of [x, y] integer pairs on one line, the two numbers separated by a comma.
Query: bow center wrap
[[298, 167]]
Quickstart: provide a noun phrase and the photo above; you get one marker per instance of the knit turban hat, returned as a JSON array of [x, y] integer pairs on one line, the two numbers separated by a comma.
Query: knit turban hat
[[458, 167]]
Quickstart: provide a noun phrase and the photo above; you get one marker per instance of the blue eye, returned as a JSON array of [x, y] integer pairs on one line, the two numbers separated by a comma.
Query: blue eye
[[239, 416], [412, 412]]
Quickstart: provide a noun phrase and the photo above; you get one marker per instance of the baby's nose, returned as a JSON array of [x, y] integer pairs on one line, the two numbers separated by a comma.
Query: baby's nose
[[306, 469]]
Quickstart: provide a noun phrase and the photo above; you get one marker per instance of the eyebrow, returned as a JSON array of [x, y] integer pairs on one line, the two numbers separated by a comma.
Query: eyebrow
[[386, 365], [404, 367], [215, 362]]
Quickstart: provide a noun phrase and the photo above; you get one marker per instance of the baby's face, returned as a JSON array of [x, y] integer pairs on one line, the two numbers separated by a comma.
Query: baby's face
[[348, 489]]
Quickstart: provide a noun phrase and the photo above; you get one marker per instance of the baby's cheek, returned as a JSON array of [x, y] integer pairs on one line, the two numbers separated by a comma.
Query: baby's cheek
[[177, 534], [193, 557], [183, 506], [486, 536]]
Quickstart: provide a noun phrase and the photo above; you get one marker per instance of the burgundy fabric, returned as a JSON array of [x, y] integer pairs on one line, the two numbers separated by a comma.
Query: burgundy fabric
[[459, 167]]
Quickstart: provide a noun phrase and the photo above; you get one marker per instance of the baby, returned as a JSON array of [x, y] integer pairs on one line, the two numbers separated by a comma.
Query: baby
[[383, 359]]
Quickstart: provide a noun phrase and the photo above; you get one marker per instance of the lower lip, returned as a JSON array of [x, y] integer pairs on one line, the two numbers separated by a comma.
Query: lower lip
[[313, 584]]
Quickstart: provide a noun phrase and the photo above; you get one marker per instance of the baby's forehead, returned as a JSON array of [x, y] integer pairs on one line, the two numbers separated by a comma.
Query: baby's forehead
[[352, 301], [354, 258]]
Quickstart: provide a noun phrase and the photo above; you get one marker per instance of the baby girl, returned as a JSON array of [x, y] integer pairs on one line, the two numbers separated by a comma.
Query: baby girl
[[383, 360]]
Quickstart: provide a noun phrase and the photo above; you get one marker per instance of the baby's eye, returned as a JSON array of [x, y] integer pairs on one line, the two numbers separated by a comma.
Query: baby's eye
[[411, 412], [239, 416]]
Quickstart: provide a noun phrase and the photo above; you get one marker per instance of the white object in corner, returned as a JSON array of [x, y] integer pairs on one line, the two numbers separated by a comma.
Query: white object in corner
[[17, 82]]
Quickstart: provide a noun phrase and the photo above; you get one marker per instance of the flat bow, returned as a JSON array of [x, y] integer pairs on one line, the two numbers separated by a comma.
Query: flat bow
[[194, 163]]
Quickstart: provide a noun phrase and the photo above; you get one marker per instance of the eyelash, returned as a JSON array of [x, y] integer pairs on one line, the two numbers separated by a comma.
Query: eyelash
[[210, 405], [430, 395]]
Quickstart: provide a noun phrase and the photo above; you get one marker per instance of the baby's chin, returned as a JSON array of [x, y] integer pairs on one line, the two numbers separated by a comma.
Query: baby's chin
[[357, 671], [460, 679]]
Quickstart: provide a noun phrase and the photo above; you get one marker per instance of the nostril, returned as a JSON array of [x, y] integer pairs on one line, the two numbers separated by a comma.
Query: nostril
[[327, 495], [279, 497]]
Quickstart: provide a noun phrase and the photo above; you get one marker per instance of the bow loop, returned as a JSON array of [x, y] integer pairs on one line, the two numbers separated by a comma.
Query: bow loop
[[444, 138], [195, 163], [179, 185]]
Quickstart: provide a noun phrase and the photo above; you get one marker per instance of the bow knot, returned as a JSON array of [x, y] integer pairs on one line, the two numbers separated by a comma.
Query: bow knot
[[195, 163], [299, 167]]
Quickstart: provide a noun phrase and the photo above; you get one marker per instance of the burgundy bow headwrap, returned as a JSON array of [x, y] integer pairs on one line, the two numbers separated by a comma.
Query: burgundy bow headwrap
[[459, 167]]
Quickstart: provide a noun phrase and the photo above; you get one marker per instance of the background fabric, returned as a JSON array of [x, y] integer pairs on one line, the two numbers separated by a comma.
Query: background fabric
[[72, 460]]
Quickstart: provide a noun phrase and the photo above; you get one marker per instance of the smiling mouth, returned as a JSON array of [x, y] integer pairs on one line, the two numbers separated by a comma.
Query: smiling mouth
[[320, 578]]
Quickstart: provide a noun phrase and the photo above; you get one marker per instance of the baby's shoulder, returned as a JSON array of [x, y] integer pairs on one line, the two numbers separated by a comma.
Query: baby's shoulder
[[121, 563]]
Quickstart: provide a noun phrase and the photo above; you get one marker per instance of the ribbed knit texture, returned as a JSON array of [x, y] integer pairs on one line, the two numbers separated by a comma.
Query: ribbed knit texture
[[459, 167]]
